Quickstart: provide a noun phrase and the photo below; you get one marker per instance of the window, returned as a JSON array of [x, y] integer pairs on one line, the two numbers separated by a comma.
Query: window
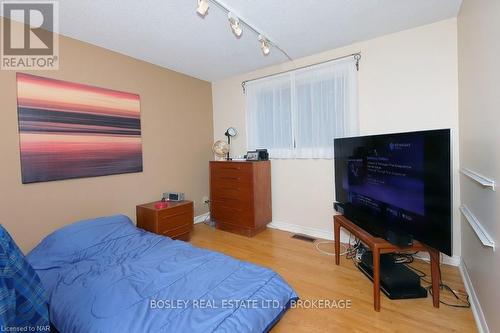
[[299, 113]]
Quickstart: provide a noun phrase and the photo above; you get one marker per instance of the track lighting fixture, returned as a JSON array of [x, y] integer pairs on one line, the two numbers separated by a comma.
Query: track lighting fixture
[[202, 7], [264, 45], [237, 24], [234, 22]]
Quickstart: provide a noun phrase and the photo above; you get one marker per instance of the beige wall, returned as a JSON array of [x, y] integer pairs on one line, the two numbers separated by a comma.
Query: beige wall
[[479, 68], [172, 105], [407, 81]]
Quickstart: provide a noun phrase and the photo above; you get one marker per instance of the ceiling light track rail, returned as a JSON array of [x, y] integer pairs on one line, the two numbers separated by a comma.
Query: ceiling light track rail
[[236, 22], [356, 56]]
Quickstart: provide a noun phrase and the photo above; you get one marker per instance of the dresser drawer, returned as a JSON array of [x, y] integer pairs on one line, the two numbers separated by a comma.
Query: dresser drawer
[[228, 192], [234, 173], [231, 178], [230, 183], [235, 203], [232, 215], [232, 166]]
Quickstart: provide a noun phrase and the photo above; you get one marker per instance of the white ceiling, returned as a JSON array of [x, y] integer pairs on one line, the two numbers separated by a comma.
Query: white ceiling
[[169, 33]]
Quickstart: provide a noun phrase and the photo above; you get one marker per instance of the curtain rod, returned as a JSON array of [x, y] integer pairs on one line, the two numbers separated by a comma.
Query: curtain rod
[[356, 56]]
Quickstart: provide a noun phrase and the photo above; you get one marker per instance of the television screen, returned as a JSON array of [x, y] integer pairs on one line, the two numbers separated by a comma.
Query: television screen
[[399, 182]]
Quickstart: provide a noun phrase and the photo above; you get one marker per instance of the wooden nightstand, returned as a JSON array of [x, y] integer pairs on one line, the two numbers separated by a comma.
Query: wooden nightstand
[[174, 221]]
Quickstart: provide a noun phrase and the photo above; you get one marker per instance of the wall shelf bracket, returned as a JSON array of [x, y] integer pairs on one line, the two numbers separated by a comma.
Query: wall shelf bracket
[[481, 233], [484, 181]]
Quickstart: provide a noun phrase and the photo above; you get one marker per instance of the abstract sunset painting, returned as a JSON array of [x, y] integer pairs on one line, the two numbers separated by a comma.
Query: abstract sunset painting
[[69, 130]]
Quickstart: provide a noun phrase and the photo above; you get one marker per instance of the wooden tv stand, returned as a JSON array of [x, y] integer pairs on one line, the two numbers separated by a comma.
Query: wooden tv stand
[[379, 246]]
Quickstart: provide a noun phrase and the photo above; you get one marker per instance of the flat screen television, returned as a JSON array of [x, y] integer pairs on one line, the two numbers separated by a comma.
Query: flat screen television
[[397, 182]]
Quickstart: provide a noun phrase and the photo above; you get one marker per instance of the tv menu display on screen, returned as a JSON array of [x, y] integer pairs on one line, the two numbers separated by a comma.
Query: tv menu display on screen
[[399, 182]]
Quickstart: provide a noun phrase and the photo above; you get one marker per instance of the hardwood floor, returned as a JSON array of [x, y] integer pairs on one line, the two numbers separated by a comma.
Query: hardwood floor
[[315, 276]]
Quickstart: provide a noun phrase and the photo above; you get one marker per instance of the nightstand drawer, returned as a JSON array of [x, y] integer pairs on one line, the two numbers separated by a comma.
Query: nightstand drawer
[[177, 231], [170, 220], [172, 212]]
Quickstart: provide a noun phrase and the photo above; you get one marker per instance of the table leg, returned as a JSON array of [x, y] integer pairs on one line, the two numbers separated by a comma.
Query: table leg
[[435, 276], [337, 241], [376, 279]]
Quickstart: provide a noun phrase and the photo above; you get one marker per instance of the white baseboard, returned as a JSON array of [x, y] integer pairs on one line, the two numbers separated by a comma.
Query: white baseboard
[[328, 235], [453, 261], [313, 232], [295, 228], [201, 218], [344, 237], [482, 326]]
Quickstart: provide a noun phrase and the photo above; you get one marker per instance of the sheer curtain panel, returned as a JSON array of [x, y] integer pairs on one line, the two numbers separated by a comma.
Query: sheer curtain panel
[[299, 113]]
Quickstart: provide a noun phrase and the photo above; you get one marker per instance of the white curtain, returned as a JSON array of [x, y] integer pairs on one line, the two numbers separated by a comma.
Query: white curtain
[[299, 113], [269, 116]]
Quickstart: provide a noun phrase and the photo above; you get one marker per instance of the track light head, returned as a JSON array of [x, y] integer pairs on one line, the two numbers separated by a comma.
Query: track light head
[[264, 45], [237, 25], [202, 8], [234, 22]]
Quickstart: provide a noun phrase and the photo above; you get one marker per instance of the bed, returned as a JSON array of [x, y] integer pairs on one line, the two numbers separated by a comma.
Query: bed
[[106, 275]]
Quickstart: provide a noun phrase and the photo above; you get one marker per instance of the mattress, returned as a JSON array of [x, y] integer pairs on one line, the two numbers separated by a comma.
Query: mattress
[[106, 275]]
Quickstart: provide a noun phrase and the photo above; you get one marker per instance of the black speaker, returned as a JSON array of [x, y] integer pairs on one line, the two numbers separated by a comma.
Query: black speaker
[[263, 154]]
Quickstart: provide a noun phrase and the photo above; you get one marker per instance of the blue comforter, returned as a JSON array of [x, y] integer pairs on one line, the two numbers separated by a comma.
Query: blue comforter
[[106, 275]]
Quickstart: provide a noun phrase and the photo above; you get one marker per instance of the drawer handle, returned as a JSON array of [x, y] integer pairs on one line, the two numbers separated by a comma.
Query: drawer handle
[[172, 215], [229, 198], [231, 208], [231, 178], [166, 232], [222, 199]]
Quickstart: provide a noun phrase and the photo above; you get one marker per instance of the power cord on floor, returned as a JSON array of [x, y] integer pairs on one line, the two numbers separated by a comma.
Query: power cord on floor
[[346, 249], [317, 244], [407, 259], [463, 303]]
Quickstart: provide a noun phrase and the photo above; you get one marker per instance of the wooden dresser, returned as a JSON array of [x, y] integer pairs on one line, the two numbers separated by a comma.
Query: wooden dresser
[[240, 196], [175, 220]]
